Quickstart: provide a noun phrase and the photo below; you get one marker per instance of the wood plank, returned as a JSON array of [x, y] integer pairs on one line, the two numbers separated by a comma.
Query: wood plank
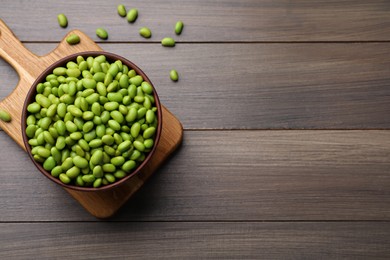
[[264, 86], [224, 20], [230, 175], [170, 240]]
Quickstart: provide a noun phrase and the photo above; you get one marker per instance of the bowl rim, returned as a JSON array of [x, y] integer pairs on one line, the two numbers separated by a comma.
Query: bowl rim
[[32, 93]]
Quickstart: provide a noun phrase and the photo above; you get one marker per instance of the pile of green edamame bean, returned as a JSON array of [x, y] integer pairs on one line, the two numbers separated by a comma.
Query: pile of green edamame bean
[[92, 122]]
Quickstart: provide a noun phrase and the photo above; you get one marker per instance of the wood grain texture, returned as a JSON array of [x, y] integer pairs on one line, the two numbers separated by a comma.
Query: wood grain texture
[[320, 240], [231, 175], [264, 86], [223, 20]]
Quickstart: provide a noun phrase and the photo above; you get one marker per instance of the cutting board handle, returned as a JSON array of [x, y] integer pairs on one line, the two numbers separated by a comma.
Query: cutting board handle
[[14, 52], [29, 66]]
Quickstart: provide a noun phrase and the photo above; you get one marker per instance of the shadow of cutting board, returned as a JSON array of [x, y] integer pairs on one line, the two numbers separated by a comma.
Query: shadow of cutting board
[[101, 204]]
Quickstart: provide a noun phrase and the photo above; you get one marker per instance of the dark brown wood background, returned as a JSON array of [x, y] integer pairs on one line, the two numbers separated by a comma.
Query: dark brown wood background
[[286, 151]]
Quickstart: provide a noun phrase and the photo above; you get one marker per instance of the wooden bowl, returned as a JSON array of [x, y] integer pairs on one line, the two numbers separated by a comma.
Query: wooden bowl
[[61, 63]]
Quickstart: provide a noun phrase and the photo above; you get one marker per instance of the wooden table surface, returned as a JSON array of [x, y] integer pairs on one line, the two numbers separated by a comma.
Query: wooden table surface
[[286, 151]]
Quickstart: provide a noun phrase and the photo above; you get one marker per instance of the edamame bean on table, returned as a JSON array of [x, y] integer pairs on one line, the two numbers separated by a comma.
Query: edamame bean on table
[[91, 127]]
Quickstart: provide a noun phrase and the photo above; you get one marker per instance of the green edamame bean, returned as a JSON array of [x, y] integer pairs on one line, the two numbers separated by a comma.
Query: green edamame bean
[[109, 177], [89, 83], [73, 72], [179, 27], [43, 152], [124, 81], [100, 130], [135, 155], [73, 39], [139, 146], [132, 15], [95, 143], [121, 10], [49, 164], [61, 110], [88, 126], [79, 181], [110, 106], [168, 42], [88, 178], [113, 70], [62, 20], [105, 116], [97, 157], [115, 97], [150, 116], [5, 116], [117, 116], [70, 126], [34, 108], [141, 112], [48, 138], [99, 76], [80, 162], [76, 136], [31, 120], [135, 129], [109, 150], [45, 123], [30, 131], [118, 160], [124, 146], [92, 98], [146, 87], [60, 143], [64, 178], [97, 183], [84, 145], [108, 139], [59, 71], [174, 75], [56, 171], [88, 115], [73, 172], [129, 165], [98, 171], [102, 33], [43, 101], [108, 167], [119, 174], [149, 132], [118, 139], [114, 125], [136, 80], [145, 32], [148, 143]]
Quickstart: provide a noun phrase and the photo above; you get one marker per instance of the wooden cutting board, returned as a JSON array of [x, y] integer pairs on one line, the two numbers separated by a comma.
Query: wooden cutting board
[[102, 204]]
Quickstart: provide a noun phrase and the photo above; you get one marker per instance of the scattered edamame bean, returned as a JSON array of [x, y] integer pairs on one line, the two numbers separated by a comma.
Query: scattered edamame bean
[[179, 27], [174, 75], [168, 42], [145, 32], [62, 20], [5, 116], [73, 39], [102, 33], [132, 15], [98, 125], [121, 10]]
